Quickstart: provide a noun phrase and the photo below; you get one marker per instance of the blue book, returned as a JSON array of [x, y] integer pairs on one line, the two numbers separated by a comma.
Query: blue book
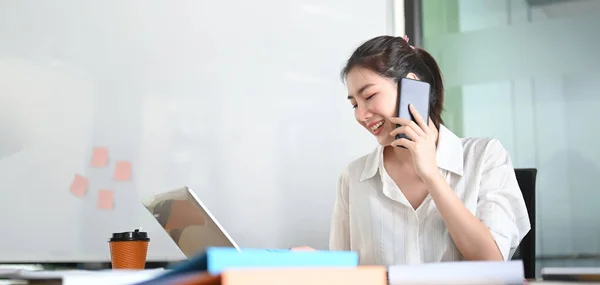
[[221, 258], [217, 259]]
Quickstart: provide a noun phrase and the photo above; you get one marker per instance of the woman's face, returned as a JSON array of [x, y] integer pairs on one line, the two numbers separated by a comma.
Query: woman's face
[[374, 99]]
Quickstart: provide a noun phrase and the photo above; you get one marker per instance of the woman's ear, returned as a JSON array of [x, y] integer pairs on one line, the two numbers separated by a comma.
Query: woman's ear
[[411, 75]]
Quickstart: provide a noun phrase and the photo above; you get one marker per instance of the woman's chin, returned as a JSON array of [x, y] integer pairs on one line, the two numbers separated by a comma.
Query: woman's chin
[[384, 141]]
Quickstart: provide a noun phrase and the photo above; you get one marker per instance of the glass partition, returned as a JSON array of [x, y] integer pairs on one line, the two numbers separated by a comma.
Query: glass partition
[[528, 73]]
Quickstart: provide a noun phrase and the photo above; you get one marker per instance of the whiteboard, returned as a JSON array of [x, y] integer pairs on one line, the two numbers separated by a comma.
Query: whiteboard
[[239, 100]]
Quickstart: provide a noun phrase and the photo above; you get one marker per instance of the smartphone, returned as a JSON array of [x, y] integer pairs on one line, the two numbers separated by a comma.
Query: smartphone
[[416, 93]]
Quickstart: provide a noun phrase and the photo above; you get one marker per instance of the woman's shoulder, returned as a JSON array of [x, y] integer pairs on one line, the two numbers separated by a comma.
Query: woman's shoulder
[[482, 145], [358, 167], [474, 149], [485, 150]]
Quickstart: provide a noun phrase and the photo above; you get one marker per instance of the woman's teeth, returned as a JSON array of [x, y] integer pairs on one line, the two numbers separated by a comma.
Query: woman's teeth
[[375, 127]]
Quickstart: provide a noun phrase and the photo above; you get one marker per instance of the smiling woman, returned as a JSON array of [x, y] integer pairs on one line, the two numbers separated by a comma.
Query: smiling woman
[[441, 197]]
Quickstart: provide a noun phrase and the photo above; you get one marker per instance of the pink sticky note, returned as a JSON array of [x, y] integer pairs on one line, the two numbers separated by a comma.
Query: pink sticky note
[[105, 199], [123, 170], [99, 157], [79, 185]]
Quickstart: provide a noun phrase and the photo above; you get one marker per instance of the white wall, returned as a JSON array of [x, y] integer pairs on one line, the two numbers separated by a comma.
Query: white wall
[[237, 99]]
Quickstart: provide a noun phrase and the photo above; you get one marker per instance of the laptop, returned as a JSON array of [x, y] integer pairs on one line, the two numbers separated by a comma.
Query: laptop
[[188, 221]]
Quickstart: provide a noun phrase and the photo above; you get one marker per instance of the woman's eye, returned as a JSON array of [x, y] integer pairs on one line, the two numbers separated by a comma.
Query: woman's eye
[[370, 96], [353, 106]]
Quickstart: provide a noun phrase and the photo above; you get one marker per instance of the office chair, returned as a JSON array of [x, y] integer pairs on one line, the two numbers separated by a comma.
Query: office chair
[[526, 251]]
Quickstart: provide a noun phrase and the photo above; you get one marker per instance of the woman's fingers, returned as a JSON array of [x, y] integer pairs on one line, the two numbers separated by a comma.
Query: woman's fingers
[[408, 123], [418, 118], [302, 248], [407, 130], [403, 142]]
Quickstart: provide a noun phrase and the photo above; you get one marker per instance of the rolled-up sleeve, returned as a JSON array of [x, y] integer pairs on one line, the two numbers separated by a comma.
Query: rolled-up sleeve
[[339, 235], [500, 205]]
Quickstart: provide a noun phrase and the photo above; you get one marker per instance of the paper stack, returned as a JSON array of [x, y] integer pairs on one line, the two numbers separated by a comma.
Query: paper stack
[[87, 277], [464, 273]]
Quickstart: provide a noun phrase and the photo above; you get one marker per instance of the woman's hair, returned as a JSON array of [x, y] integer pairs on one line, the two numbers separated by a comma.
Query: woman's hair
[[394, 58]]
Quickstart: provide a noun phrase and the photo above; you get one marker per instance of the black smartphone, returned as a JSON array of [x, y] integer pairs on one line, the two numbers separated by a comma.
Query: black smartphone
[[416, 93]]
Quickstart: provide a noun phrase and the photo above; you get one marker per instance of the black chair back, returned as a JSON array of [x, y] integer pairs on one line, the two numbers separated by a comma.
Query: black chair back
[[526, 251]]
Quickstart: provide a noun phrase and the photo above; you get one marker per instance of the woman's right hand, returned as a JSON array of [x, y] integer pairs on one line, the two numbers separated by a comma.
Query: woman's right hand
[[302, 248]]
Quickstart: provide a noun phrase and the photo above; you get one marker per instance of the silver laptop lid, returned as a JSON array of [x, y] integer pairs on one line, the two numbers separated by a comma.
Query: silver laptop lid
[[188, 221]]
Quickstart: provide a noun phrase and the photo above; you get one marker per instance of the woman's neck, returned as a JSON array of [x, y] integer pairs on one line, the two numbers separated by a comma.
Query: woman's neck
[[397, 155]]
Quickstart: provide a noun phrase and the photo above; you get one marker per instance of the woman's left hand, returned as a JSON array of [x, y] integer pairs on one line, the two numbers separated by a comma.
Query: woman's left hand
[[423, 145]]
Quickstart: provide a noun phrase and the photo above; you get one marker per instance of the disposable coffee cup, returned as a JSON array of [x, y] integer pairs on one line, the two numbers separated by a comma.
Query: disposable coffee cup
[[128, 250]]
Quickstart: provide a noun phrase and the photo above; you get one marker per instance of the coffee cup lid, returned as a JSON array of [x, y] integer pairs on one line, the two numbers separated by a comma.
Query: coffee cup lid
[[130, 236]]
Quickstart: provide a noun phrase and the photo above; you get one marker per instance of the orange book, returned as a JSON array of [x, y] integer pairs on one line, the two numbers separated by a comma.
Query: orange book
[[372, 275], [197, 279]]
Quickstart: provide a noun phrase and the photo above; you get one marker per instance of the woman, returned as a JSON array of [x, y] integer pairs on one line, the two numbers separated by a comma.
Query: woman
[[436, 198]]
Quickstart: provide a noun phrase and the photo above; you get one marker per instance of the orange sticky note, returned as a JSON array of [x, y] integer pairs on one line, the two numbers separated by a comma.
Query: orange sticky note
[[122, 170], [105, 199], [79, 185], [100, 157]]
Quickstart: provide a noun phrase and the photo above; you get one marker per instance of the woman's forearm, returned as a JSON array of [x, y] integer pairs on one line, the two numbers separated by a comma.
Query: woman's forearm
[[472, 238]]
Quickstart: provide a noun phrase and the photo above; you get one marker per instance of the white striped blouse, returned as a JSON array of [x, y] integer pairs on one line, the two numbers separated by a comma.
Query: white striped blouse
[[372, 216]]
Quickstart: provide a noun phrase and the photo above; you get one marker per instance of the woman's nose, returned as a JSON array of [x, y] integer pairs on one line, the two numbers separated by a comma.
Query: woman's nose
[[363, 113]]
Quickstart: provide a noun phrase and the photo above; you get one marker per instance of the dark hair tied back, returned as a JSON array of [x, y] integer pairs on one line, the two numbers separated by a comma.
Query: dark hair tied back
[[394, 58]]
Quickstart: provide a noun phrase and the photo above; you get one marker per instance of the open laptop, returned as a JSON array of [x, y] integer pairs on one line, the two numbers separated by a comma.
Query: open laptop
[[188, 221]]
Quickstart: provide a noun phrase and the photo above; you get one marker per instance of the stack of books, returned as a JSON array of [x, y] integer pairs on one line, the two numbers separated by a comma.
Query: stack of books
[[228, 266]]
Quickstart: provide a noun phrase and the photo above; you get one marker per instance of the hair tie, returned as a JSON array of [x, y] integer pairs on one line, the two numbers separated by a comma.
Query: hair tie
[[405, 38]]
